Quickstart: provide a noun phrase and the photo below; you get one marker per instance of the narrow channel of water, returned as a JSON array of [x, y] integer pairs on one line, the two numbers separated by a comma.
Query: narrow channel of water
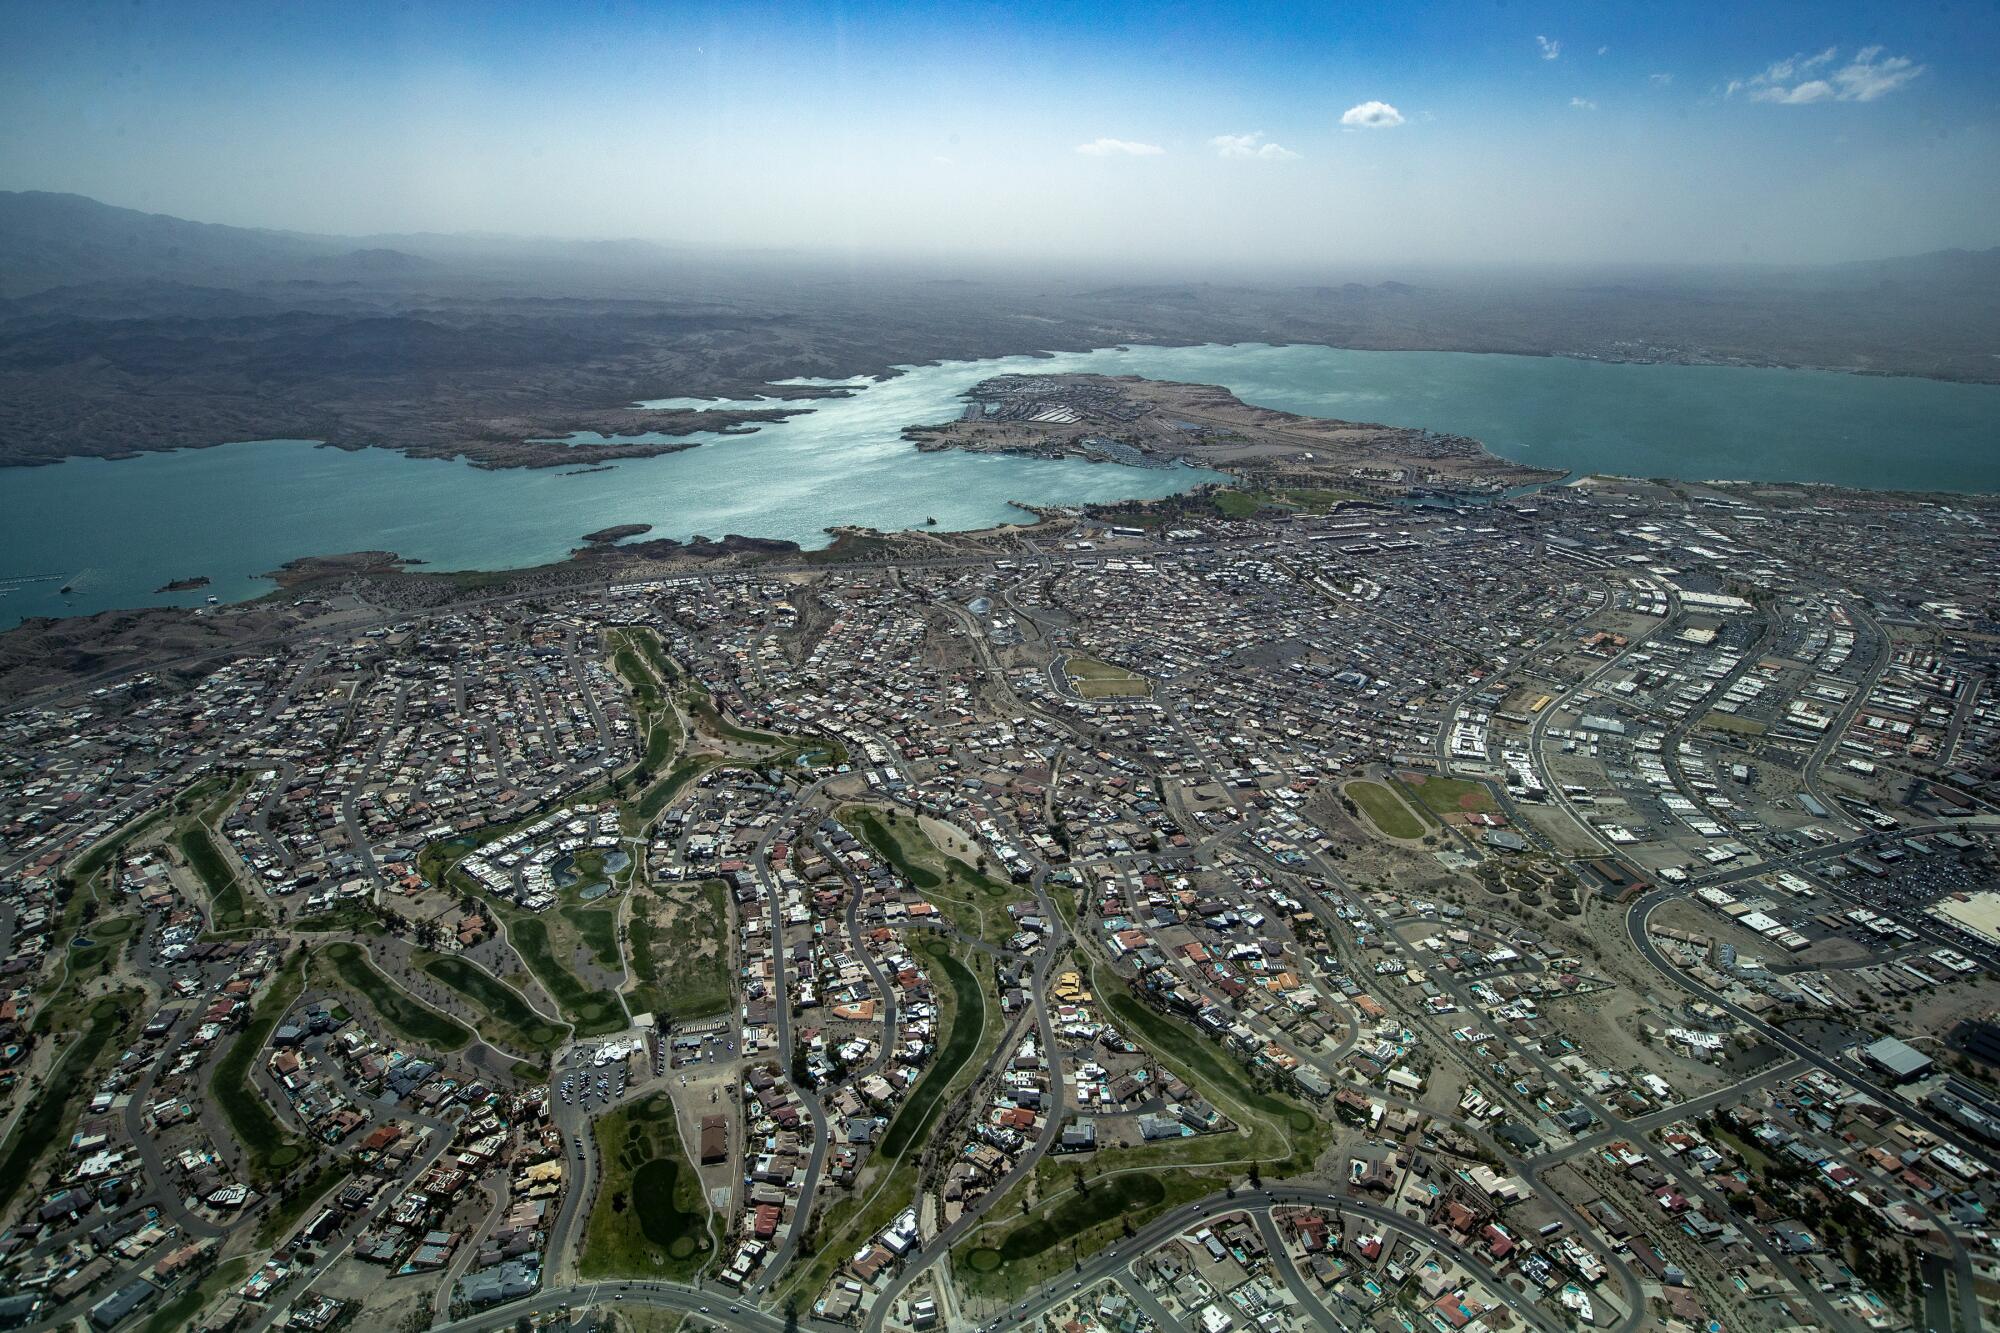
[[114, 532]]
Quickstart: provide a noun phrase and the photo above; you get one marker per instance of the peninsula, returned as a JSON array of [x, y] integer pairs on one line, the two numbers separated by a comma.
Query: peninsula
[[1132, 420]]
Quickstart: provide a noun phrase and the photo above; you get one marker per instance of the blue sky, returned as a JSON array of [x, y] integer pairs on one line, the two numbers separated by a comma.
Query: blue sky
[[1187, 135]]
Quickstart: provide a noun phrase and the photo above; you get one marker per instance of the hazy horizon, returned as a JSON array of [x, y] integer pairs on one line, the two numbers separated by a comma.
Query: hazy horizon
[[1207, 138]]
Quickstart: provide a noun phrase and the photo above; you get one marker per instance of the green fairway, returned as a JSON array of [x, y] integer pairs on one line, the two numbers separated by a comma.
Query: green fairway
[[536, 938], [1450, 796], [971, 1029], [265, 1141], [663, 791], [399, 1009], [1385, 810], [1207, 1066], [635, 657], [975, 902], [286, 1213], [1286, 499], [915, 1116], [593, 1013], [41, 1125], [662, 739], [1078, 1224], [645, 691], [704, 708], [597, 927], [227, 909], [787, 749], [517, 1022], [650, 1219], [1235, 504], [890, 848], [648, 642], [100, 854], [180, 1310], [1080, 1211], [1100, 680], [1011, 1252]]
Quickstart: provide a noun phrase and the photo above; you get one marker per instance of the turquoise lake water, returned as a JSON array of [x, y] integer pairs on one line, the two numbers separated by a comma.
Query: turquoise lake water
[[117, 530]]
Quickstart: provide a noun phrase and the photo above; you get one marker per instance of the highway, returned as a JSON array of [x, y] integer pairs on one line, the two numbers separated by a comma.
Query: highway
[[1110, 1263], [1115, 1260], [723, 1307]]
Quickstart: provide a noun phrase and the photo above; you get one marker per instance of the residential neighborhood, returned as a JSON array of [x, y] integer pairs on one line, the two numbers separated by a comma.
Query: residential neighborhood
[[1572, 910]]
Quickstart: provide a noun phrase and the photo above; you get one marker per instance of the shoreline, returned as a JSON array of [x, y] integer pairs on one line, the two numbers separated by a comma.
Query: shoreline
[[51, 657], [548, 451], [664, 555], [44, 657], [1216, 404]]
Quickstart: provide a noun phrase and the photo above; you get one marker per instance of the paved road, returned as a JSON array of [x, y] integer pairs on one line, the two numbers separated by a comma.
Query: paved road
[[1639, 1126], [461, 1259], [1108, 1263], [1146, 1301], [732, 1313], [802, 1208], [1812, 774], [1635, 923], [1281, 1259], [1053, 948], [885, 994], [1937, 1294], [572, 1121], [674, 1297], [440, 1139]]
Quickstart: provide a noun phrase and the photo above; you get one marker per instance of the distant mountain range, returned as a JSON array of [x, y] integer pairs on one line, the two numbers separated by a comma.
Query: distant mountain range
[[59, 240]]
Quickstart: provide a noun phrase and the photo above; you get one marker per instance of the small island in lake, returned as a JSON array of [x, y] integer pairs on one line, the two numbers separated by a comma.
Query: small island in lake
[[616, 533]]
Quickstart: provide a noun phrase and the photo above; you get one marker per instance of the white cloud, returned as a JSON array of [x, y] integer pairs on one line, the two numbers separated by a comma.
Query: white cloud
[[1551, 48], [1813, 90], [1871, 75], [1119, 148], [1864, 78], [1371, 116], [1660, 80], [1250, 145], [1583, 104], [1604, 50]]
